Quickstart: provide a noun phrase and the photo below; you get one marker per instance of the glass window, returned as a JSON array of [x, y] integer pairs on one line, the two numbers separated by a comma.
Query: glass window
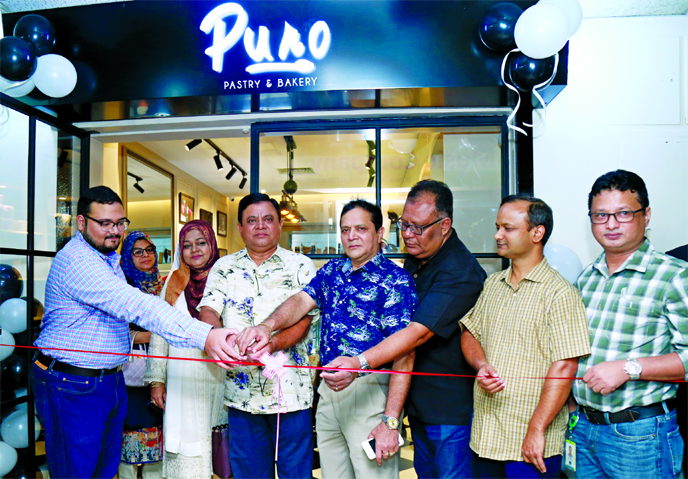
[[467, 159], [313, 174], [14, 154], [58, 168]]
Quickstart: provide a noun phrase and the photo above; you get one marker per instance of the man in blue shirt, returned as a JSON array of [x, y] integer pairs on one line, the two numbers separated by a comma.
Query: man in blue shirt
[[363, 299], [80, 395]]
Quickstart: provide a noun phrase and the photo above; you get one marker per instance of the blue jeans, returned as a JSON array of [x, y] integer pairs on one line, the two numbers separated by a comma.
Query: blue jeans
[[489, 469], [83, 419], [441, 451], [252, 444], [649, 447]]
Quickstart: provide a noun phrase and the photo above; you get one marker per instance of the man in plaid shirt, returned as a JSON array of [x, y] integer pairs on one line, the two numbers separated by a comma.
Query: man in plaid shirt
[[636, 300]]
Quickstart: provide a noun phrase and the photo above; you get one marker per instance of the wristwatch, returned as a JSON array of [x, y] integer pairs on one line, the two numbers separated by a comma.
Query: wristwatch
[[392, 422], [364, 364], [633, 368]]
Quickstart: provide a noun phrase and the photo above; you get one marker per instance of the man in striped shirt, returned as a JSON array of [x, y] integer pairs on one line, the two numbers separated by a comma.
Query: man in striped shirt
[[636, 300], [524, 337], [78, 384]]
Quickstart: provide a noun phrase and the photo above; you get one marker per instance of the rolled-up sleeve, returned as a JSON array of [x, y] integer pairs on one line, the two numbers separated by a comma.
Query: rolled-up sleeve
[[676, 310]]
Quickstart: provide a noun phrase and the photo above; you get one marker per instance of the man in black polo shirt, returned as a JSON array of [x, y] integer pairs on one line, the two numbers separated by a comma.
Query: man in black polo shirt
[[449, 281]]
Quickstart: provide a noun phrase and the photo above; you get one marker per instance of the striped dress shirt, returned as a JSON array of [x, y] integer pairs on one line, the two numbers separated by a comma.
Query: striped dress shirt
[[89, 305], [523, 331], [641, 310]]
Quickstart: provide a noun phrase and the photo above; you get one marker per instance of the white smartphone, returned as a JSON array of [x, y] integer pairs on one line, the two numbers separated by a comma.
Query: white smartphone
[[369, 446]]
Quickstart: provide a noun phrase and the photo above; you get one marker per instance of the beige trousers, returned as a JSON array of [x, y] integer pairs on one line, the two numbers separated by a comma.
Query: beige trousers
[[150, 471], [344, 420]]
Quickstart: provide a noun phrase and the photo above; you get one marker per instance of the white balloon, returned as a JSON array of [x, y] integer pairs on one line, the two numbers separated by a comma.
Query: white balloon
[[6, 338], [8, 458], [15, 429], [13, 315], [573, 10], [55, 76], [565, 261], [541, 31], [16, 89]]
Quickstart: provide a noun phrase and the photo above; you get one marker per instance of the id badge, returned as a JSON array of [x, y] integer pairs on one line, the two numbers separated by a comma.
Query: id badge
[[570, 455]]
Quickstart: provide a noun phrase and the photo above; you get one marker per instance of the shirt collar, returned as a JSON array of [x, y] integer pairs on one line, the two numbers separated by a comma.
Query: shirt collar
[[112, 258], [370, 266], [278, 256], [638, 261], [536, 275]]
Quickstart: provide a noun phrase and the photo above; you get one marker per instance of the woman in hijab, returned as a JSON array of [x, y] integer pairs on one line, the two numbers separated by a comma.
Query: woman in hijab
[[190, 392], [142, 441]]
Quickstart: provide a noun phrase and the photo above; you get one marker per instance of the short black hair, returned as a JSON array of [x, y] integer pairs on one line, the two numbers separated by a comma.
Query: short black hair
[[252, 199], [621, 180], [98, 194], [444, 200], [374, 210], [539, 213]]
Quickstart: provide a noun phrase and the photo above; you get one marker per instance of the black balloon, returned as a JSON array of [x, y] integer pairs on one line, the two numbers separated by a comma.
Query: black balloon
[[6, 394], [18, 59], [15, 372], [497, 27], [37, 31], [526, 72], [11, 283], [37, 308], [22, 471]]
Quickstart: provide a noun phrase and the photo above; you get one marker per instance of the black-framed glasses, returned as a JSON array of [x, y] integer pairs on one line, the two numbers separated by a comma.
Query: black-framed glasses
[[141, 251], [625, 216], [106, 225], [417, 229]]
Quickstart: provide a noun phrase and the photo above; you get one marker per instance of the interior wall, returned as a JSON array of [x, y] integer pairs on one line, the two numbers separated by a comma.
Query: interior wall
[[624, 107], [105, 170]]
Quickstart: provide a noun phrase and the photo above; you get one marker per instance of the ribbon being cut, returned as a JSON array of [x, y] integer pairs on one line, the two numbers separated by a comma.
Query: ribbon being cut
[[274, 366]]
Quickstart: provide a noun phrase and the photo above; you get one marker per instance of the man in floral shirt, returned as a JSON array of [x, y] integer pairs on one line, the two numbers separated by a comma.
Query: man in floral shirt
[[242, 290], [364, 298]]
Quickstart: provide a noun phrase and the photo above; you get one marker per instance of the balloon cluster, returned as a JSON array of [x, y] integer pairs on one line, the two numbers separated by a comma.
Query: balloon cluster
[[26, 61], [530, 39]]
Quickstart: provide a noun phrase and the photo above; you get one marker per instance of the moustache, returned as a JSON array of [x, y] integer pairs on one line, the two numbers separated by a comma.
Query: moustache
[[113, 236]]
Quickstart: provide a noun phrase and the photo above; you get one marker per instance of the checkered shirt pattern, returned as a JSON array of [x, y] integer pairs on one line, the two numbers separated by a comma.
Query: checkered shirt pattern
[[641, 310], [523, 331], [89, 305]]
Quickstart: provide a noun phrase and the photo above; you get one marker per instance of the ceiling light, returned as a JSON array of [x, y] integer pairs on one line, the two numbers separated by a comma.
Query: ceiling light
[[231, 172], [192, 144], [243, 183], [218, 163], [138, 187], [294, 220]]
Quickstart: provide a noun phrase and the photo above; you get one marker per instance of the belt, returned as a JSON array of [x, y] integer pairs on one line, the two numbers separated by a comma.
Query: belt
[[59, 366], [630, 414]]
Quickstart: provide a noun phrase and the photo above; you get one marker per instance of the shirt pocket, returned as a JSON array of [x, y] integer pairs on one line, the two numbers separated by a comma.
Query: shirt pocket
[[640, 319]]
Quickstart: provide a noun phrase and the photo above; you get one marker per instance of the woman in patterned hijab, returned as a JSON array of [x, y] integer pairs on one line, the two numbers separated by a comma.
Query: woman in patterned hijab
[[141, 269]]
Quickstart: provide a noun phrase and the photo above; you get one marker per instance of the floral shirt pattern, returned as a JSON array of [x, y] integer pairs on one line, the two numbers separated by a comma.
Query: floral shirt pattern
[[245, 294], [361, 307]]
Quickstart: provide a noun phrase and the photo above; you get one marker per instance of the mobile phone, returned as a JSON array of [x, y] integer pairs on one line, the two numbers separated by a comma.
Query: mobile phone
[[369, 446]]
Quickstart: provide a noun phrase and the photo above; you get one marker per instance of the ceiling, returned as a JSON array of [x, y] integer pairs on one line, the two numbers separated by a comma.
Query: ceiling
[[591, 8]]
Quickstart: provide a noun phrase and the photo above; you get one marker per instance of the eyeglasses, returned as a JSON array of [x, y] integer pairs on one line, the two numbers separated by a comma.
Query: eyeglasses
[[625, 216], [140, 251], [107, 225], [417, 229]]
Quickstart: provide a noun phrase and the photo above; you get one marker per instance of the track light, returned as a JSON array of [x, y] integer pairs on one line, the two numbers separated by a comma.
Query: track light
[[192, 144], [138, 187], [231, 172], [243, 183], [218, 163]]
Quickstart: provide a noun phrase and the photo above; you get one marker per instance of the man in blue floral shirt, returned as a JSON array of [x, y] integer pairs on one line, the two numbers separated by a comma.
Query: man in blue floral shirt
[[364, 298], [242, 290]]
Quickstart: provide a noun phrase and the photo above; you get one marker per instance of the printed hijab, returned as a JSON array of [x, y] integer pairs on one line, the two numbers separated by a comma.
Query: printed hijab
[[192, 281], [148, 282]]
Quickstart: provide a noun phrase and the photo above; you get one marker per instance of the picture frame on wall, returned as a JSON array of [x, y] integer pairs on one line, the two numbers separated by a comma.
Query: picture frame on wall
[[186, 208], [223, 252], [221, 224], [207, 216]]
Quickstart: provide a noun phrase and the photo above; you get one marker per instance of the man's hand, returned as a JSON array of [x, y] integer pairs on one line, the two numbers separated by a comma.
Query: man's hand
[[159, 396], [489, 380], [255, 356], [606, 377], [533, 448], [259, 334], [220, 346], [341, 379], [386, 442]]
